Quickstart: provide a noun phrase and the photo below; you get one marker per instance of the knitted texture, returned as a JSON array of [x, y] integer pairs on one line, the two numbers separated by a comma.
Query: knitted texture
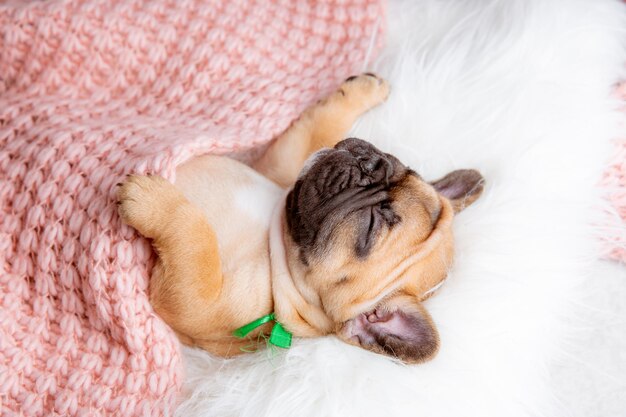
[[92, 90], [615, 182]]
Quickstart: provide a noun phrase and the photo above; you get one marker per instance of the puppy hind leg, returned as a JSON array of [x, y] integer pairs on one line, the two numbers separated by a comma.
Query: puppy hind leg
[[321, 125]]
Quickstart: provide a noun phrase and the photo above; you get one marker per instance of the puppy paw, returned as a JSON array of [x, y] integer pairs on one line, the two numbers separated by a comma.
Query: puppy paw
[[365, 90], [146, 202]]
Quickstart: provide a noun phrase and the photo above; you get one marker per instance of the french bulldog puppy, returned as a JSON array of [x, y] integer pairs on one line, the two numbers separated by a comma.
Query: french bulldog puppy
[[333, 236]]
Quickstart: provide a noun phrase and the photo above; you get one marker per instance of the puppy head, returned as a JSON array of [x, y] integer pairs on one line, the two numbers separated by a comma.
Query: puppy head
[[367, 239]]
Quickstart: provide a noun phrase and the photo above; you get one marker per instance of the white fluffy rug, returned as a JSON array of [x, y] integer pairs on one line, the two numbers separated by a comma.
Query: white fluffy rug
[[519, 89]]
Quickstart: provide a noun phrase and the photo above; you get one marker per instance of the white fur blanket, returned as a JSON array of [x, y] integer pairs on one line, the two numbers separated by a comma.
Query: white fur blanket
[[519, 89]]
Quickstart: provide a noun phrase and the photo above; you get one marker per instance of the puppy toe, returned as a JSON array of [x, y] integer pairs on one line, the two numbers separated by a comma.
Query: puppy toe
[[366, 89], [144, 201]]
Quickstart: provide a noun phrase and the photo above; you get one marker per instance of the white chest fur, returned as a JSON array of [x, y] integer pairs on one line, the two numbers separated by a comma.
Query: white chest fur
[[237, 202]]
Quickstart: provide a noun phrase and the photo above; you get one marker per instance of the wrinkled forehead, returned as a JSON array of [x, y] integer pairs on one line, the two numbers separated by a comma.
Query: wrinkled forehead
[[336, 184], [312, 160]]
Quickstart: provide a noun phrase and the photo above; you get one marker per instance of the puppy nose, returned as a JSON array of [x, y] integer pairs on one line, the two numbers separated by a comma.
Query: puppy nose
[[375, 166], [369, 163]]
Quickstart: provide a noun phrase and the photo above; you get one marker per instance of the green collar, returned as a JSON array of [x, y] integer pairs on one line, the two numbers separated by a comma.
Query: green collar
[[279, 336]]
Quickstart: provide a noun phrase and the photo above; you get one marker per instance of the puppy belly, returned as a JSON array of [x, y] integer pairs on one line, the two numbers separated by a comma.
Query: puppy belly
[[236, 200], [238, 203]]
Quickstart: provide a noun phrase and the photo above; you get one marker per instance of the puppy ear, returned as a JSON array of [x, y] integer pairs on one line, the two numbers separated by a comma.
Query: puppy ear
[[399, 327], [462, 187]]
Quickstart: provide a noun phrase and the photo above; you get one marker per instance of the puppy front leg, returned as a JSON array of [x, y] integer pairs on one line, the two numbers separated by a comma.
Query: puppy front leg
[[322, 125], [187, 279]]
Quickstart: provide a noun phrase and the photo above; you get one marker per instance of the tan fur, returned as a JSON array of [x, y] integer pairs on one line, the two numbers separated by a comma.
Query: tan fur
[[214, 275], [322, 125], [367, 281]]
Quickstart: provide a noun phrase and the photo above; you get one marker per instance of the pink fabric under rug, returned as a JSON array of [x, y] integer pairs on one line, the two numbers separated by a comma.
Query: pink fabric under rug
[[615, 182], [92, 90]]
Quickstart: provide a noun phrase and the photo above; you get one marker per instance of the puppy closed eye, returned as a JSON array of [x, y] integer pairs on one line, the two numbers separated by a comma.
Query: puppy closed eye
[[386, 211], [372, 221]]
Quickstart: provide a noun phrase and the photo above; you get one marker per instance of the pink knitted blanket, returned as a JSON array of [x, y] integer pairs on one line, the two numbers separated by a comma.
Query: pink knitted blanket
[[91, 90]]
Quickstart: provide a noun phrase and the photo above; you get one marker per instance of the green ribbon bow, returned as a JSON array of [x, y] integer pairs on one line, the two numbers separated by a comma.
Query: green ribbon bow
[[279, 336]]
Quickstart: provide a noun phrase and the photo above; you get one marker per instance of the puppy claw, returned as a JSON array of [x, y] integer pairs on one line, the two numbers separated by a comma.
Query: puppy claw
[[367, 90]]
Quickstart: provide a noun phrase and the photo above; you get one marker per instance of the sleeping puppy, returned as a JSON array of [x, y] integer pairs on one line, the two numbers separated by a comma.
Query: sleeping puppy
[[352, 247]]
